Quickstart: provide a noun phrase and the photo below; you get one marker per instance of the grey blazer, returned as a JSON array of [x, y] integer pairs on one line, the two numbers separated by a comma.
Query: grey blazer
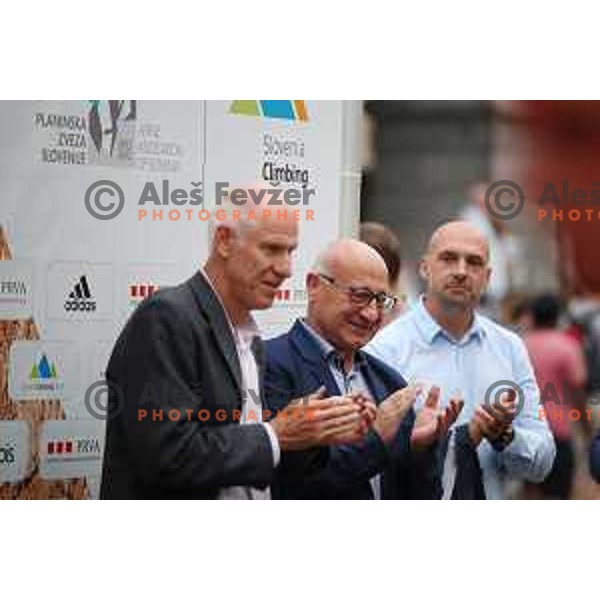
[[176, 353]]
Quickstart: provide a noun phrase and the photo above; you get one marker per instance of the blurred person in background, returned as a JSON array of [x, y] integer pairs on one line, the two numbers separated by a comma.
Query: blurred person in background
[[519, 319], [584, 328], [505, 249], [387, 244], [560, 370]]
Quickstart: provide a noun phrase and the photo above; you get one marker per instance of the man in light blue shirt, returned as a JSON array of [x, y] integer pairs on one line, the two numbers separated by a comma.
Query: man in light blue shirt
[[442, 340]]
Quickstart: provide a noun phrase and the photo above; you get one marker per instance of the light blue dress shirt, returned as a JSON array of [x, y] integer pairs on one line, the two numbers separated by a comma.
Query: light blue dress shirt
[[352, 381], [422, 352]]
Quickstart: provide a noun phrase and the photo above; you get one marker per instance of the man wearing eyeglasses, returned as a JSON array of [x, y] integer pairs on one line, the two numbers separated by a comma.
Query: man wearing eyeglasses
[[348, 294]]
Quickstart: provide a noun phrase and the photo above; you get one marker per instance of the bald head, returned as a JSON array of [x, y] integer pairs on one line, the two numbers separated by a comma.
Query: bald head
[[347, 257], [455, 266], [455, 232], [344, 273]]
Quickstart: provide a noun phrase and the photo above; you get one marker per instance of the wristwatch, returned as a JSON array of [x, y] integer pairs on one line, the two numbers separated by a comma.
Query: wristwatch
[[507, 436]]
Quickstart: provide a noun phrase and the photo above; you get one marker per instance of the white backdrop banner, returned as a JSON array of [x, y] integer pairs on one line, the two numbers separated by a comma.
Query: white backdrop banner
[[104, 202]]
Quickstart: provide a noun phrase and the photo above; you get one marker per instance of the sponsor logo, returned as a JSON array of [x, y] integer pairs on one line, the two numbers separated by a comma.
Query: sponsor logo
[[87, 448], [43, 370], [14, 450], [79, 291], [104, 128], [80, 299], [37, 369], [43, 377], [64, 140], [290, 110], [12, 288], [290, 296], [15, 289], [71, 448], [284, 158], [140, 291], [103, 132], [285, 152], [7, 454]]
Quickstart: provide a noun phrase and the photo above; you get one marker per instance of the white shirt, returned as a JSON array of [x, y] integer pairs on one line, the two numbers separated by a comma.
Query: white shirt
[[252, 404]]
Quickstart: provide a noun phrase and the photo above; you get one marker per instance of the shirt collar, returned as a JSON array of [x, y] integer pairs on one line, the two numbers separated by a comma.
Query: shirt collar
[[248, 331], [430, 328], [329, 351], [245, 332]]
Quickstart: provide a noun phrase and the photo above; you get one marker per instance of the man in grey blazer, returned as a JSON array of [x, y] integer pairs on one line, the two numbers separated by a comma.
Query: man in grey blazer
[[184, 379]]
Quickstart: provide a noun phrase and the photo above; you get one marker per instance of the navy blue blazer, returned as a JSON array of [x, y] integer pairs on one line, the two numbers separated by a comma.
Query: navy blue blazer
[[296, 367]]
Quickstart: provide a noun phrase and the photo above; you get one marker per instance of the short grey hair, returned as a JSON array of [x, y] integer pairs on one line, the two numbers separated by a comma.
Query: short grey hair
[[322, 263], [239, 226]]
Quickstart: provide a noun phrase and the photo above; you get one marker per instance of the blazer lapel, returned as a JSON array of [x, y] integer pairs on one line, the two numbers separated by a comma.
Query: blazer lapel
[[258, 350], [317, 371], [211, 306], [374, 383]]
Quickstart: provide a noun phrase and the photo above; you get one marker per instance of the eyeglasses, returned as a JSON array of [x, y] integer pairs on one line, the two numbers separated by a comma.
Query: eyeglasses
[[362, 296]]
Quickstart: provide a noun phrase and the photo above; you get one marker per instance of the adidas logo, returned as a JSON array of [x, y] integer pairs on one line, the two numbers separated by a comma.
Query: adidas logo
[[80, 299]]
